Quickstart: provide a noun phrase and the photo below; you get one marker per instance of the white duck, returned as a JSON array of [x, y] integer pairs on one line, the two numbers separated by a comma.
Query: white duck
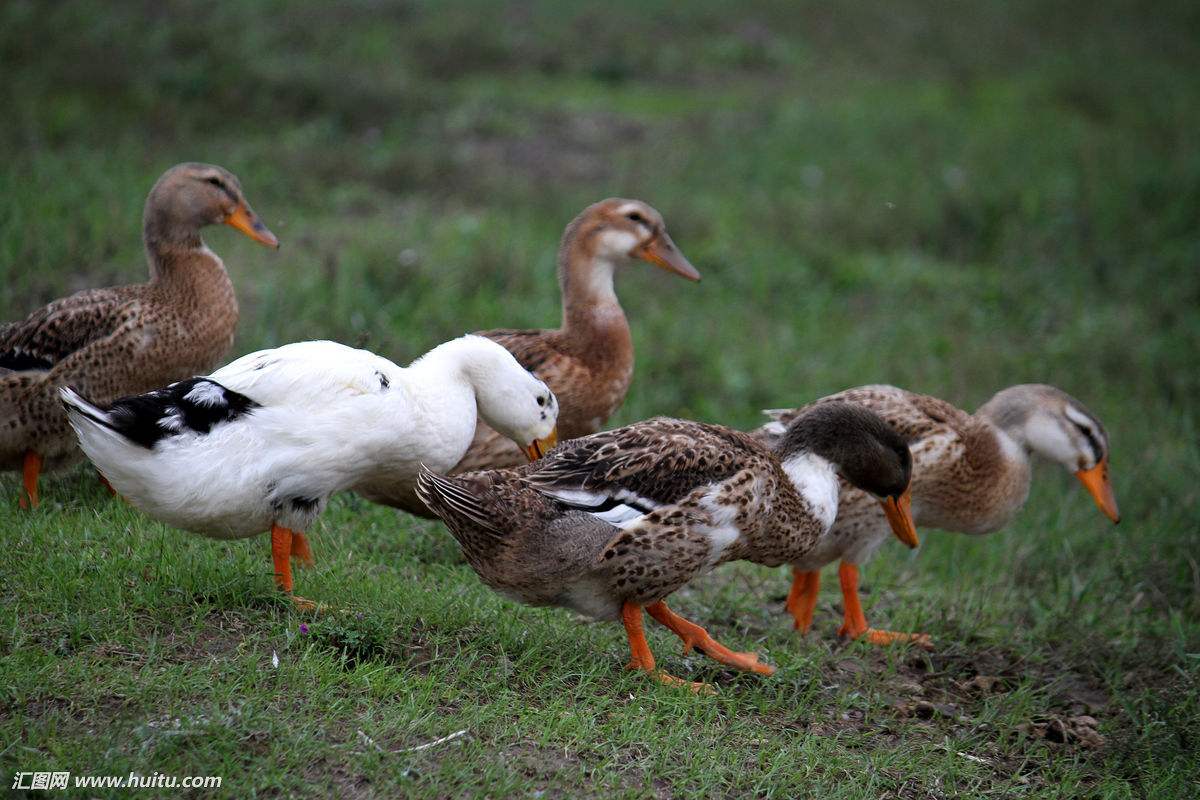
[[263, 442]]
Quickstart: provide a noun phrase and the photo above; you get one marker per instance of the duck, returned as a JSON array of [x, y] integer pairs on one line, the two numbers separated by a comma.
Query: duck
[[262, 443], [588, 360], [125, 340], [613, 523], [971, 474]]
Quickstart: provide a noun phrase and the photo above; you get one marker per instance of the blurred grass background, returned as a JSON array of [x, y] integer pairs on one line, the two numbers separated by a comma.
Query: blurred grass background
[[952, 197]]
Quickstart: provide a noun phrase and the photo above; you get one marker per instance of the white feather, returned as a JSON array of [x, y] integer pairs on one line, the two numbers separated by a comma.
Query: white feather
[[722, 532], [206, 393], [815, 479], [620, 515], [326, 422]]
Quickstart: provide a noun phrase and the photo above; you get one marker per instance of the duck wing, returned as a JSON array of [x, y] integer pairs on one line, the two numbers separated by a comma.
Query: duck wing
[[627, 472], [308, 373], [914, 416], [193, 406], [55, 331]]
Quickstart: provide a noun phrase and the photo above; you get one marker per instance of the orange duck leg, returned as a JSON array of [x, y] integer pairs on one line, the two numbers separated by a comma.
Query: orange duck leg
[[694, 636], [640, 656], [286, 544], [802, 599], [31, 468], [855, 624]]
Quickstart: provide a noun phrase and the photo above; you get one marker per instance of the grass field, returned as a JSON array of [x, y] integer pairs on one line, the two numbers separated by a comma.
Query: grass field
[[952, 197]]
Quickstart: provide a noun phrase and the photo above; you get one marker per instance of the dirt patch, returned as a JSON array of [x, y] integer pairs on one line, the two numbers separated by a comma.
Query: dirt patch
[[347, 782], [540, 763], [215, 637]]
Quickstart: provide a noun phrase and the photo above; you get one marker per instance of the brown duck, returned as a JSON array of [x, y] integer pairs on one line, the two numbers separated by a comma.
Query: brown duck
[[588, 361], [971, 474], [612, 523], [124, 340]]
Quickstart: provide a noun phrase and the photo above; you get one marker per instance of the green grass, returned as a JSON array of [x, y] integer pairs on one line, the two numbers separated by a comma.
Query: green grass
[[950, 197]]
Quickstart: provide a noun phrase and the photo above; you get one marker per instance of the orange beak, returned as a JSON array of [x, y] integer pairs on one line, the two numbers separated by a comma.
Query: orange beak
[[899, 516], [248, 223], [1095, 480], [662, 252], [539, 447]]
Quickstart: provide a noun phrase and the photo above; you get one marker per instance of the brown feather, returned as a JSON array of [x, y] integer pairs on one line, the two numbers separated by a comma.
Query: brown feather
[[699, 478], [963, 478], [114, 342], [587, 362]]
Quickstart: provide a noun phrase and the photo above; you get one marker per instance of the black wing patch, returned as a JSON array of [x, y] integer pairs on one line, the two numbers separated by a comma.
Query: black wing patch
[[19, 361], [608, 503], [196, 405]]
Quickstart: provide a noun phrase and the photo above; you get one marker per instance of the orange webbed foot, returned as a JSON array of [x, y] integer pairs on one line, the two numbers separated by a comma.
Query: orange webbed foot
[[698, 687], [855, 621], [303, 603], [883, 638], [693, 636]]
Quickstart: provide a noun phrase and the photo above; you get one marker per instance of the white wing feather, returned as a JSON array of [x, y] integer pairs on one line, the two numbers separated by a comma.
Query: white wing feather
[[307, 373]]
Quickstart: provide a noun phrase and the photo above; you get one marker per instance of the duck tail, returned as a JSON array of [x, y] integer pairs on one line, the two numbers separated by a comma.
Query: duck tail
[[454, 502], [80, 409]]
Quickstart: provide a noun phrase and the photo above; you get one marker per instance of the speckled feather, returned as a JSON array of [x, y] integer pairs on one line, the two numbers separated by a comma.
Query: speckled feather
[[965, 476], [711, 495], [110, 343]]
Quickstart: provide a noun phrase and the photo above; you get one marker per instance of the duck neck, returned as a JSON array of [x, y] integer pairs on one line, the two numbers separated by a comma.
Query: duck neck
[[591, 310], [442, 386], [1009, 415], [997, 460], [815, 479], [193, 272], [168, 241]]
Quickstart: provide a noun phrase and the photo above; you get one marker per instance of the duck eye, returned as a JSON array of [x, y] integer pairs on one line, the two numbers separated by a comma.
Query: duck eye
[[1093, 442], [215, 182], [635, 217]]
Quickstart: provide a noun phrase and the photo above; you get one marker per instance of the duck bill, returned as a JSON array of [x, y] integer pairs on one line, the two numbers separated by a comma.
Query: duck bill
[[246, 221], [1095, 480], [539, 447], [662, 252], [899, 516]]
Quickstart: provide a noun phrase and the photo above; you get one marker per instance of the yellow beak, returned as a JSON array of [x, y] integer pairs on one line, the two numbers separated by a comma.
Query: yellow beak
[[899, 516], [246, 221], [539, 447], [1095, 480], [662, 252]]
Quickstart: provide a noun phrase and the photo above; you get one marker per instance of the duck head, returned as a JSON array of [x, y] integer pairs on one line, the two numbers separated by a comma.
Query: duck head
[[616, 232], [189, 196], [862, 449], [1047, 421], [511, 399]]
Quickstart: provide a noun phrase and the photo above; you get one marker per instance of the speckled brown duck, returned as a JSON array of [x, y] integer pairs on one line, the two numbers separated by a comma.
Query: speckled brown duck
[[612, 523], [588, 361], [124, 340], [971, 474]]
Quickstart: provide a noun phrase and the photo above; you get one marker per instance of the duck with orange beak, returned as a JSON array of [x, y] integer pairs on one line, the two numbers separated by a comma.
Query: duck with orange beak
[[612, 524], [125, 340], [588, 360], [971, 474]]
